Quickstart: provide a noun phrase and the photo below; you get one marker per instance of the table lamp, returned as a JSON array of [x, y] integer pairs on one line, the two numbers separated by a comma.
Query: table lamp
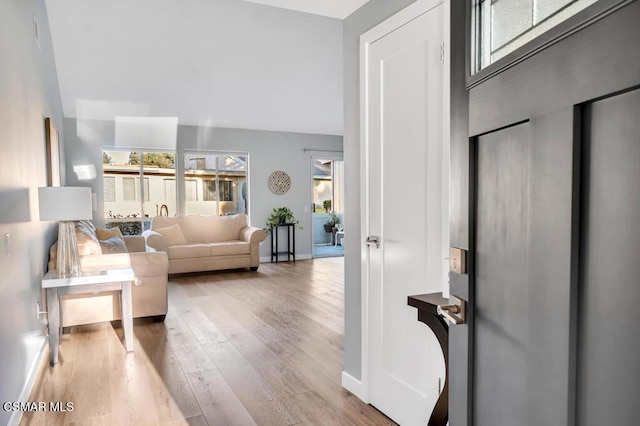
[[66, 204]]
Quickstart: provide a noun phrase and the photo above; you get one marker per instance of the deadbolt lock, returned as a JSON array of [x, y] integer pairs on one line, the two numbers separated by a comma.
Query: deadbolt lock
[[457, 260]]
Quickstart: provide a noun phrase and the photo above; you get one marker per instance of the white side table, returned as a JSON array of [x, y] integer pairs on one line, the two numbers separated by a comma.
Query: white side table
[[87, 282]]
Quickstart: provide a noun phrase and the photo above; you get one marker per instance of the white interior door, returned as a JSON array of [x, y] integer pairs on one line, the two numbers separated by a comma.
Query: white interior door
[[404, 143]]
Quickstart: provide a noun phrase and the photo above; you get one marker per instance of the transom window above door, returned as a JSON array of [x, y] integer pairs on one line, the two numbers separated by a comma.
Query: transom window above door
[[499, 27]]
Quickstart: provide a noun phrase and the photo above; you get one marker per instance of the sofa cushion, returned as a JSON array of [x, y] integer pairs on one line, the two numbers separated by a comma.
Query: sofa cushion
[[194, 228], [149, 264], [204, 229], [223, 228], [229, 248], [105, 234], [173, 234], [113, 245], [188, 251]]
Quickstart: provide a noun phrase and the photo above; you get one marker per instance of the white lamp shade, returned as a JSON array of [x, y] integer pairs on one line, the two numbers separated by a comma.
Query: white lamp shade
[[65, 203]]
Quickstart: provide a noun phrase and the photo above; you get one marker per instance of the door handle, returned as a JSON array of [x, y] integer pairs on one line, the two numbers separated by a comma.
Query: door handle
[[455, 312], [373, 240]]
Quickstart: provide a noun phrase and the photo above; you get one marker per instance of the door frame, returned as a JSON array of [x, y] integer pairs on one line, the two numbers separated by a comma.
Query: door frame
[[408, 14], [319, 155]]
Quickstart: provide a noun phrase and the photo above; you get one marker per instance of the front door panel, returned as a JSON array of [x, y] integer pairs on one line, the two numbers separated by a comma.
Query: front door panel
[[524, 218], [609, 346]]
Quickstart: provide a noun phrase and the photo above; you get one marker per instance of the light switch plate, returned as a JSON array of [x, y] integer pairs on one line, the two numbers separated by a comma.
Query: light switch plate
[[457, 260]]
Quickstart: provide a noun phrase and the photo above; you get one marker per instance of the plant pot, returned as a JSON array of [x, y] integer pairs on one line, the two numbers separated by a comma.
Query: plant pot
[[328, 228]]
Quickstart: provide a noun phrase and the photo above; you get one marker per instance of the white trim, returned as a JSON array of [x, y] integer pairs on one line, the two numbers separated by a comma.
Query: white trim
[[365, 41], [34, 371], [354, 386], [267, 259], [396, 21], [446, 146], [325, 155]]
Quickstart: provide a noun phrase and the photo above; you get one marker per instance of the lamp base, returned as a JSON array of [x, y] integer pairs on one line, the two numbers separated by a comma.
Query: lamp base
[[68, 263]]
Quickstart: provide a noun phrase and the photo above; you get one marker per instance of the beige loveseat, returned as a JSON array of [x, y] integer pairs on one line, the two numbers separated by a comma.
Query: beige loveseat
[[102, 248], [206, 243]]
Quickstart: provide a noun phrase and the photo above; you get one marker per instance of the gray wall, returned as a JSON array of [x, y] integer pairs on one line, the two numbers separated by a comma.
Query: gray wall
[[268, 151], [365, 18], [28, 93]]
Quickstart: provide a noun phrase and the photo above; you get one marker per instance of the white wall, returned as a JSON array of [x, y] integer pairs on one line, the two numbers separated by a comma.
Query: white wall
[[218, 63], [268, 152], [28, 93]]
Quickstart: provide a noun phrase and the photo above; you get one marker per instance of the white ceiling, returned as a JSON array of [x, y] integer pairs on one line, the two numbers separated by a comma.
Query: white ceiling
[[339, 9], [222, 63]]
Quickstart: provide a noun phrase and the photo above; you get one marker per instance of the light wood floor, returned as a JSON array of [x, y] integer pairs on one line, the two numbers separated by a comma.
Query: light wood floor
[[236, 348]]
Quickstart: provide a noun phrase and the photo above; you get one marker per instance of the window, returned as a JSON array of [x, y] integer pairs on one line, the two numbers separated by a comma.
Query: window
[[502, 26], [221, 178], [209, 190], [322, 186], [147, 191], [109, 189], [128, 189], [226, 190], [191, 189], [129, 206]]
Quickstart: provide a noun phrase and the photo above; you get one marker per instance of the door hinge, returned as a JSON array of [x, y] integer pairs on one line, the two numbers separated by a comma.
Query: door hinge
[[442, 52]]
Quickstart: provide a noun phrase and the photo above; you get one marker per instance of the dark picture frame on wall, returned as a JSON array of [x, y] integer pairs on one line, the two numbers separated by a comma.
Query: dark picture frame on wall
[[53, 153]]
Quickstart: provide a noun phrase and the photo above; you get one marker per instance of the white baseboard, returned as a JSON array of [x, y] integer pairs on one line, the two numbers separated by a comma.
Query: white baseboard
[[267, 259], [15, 418], [354, 386]]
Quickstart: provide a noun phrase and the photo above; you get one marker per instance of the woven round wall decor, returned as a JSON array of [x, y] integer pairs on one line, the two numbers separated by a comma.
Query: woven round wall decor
[[279, 182]]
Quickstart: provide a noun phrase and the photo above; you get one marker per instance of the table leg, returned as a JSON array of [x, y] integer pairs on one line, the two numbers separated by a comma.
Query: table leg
[[53, 309], [127, 315], [61, 316]]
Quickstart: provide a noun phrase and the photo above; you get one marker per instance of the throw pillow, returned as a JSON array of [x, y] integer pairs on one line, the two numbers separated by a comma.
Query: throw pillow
[[87, 239], [113, 245], [105, 234], [173, 234]]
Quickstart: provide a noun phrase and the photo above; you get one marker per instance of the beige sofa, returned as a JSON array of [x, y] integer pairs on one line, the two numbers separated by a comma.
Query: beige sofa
[[100, 249], [206, 243]]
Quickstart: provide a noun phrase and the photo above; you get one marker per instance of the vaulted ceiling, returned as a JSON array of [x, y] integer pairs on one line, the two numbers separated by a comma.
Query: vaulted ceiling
[[333, 8], [224, 63]]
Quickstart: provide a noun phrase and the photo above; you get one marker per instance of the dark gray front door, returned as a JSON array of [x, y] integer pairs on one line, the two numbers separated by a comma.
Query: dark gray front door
[[522, 273], [545, 189], [608, 339]]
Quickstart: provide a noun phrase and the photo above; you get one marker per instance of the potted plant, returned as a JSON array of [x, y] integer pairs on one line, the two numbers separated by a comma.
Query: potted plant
[[327, 205], [331, 223], [278, 217]]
